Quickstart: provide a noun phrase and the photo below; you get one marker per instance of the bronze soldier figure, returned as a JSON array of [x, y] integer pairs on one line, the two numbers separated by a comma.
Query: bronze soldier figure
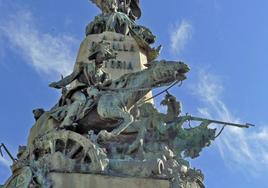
[[87, 76]]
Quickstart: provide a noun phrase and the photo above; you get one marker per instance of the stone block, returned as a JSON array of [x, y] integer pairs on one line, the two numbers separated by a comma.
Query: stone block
[[65, 180], [130, 58]]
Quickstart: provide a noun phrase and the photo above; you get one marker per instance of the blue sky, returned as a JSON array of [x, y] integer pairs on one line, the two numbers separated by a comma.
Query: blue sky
[[224, 42]]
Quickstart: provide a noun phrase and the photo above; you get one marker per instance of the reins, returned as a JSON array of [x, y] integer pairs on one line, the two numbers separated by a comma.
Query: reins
[[164, 91], [139, 102]]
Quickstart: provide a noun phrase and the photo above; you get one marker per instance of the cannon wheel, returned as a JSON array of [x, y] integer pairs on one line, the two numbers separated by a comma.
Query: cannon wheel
[[74, 146]]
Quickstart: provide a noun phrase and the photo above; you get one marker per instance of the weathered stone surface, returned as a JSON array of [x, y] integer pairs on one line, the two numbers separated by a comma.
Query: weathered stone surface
[[102, 123], [129, 57], [98, 181]]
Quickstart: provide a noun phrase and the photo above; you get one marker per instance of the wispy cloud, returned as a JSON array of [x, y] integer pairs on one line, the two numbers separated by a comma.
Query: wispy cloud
[[47, 53], [5, 162], [179, 36], [247, 148]]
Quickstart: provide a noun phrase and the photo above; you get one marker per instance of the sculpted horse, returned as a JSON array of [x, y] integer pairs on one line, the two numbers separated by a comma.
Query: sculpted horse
[[125, 92], [112, 112]]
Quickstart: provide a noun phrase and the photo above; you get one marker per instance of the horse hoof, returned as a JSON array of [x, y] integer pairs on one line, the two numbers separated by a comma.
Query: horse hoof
[[105, 136]]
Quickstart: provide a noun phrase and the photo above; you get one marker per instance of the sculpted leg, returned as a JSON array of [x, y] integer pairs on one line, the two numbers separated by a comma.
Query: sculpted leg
[[138, 143], [127, 120], [110, 108], [78, 101]]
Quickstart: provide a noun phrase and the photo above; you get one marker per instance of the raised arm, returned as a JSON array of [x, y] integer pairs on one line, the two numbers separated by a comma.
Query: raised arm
[[67, 80]]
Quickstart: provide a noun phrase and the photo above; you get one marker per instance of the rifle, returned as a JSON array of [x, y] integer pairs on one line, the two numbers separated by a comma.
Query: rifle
[[209, 121], [7, 151]]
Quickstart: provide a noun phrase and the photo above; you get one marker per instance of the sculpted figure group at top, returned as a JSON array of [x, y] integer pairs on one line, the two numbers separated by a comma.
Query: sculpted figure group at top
[[119, 16], [130, 7]]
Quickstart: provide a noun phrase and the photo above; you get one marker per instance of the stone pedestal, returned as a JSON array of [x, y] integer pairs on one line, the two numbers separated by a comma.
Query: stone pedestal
[[129, 56], [61, 180]]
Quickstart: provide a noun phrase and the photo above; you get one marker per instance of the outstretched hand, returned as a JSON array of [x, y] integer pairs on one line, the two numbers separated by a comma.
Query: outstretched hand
[[55, 85]]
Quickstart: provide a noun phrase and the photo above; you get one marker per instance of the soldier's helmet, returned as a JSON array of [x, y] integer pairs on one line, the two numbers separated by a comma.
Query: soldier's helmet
[[101, 52]]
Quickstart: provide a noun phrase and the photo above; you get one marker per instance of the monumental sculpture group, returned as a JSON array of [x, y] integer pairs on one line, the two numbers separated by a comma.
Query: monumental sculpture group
[[105, 131]]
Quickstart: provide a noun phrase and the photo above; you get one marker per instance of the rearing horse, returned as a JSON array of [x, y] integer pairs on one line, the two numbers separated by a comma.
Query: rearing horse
[[113, 108], [125, 92]]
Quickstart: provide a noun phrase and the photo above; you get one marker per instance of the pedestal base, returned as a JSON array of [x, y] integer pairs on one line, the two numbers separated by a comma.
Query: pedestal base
[[61, 180]]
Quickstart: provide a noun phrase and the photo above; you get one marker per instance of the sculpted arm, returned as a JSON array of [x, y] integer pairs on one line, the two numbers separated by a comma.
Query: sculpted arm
[[67, 80], [107, 80]]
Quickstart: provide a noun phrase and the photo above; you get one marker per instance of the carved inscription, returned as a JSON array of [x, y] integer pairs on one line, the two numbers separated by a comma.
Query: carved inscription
[[119, 45], [117, 64]]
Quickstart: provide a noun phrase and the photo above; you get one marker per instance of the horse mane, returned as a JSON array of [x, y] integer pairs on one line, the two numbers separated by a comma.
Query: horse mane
[[125, 79]]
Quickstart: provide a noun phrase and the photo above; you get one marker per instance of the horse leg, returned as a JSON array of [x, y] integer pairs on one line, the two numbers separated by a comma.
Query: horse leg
[[110, 109], [138, 143], [127, 120]]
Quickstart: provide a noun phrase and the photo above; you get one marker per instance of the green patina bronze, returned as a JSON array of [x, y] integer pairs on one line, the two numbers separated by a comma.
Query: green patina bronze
[[104, 126]]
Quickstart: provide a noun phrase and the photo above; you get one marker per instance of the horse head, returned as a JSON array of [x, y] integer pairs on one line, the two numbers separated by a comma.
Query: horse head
[[166, 72]]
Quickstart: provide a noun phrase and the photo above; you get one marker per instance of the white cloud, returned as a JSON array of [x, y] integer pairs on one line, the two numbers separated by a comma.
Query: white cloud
[[246, 148], [47, 53], [179, 36], [5, 162]]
